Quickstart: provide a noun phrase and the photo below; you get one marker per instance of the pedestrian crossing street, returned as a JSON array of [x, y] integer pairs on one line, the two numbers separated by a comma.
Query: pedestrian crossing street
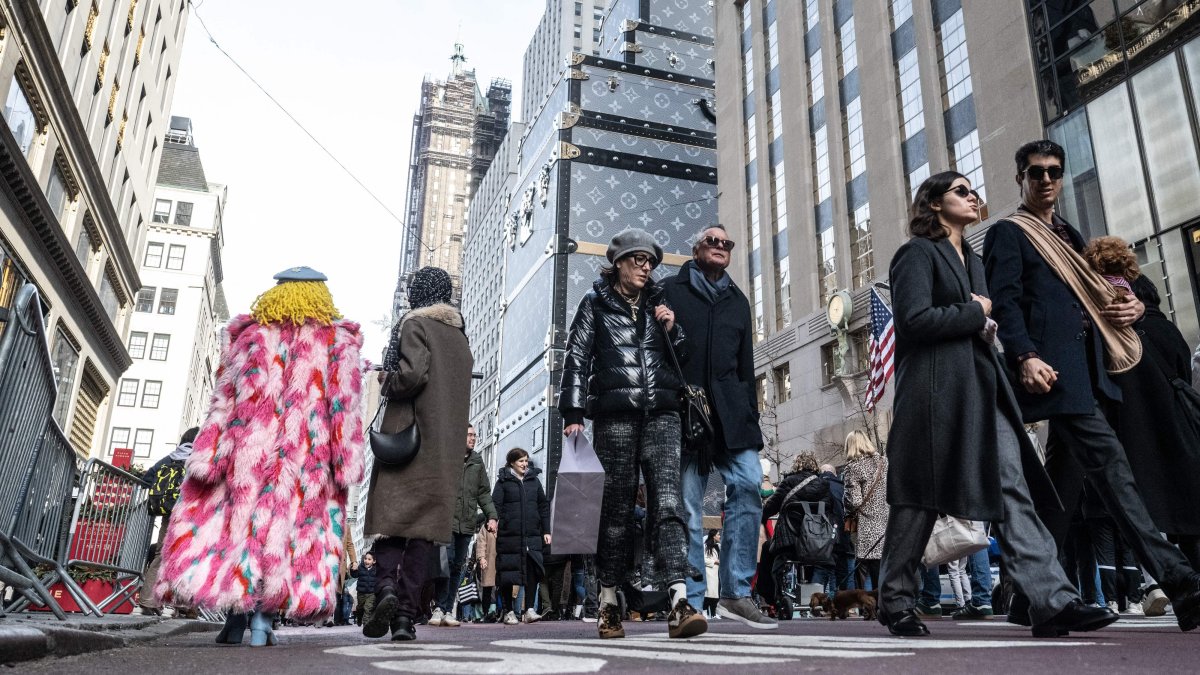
[[589, 655]]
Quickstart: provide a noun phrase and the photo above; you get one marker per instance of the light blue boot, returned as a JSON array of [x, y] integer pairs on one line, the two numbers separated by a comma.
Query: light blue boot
[[261, 634]]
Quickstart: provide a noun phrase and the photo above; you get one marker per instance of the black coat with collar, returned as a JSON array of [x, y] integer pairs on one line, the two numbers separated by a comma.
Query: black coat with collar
[[951, 393], [615, 364], [1037, 312], [524, 516], [721, 341]]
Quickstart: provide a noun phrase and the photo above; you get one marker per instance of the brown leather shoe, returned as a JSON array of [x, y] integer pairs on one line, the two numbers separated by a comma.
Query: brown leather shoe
[[685, 622], [609, 624]]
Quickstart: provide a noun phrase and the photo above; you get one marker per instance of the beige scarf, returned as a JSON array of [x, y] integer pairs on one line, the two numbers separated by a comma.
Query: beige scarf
[[1122, 346]]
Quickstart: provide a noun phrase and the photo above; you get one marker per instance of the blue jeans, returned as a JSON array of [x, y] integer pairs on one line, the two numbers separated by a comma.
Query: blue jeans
[[827, 578], [844, 564], [456, 552], [931, 587], [739, 536], [979, 567]]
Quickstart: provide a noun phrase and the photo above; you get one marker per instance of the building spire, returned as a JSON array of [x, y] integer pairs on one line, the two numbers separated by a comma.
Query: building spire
[[457, 60]]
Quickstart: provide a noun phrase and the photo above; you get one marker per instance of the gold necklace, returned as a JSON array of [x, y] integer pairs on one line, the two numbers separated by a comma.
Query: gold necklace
[[633, 303]]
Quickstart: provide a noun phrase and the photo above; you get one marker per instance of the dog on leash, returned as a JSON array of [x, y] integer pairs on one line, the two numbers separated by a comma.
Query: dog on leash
[[816, 603], [839, 605]]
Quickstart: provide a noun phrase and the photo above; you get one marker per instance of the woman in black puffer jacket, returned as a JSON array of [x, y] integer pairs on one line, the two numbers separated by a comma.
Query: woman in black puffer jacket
[[617, 371], [523, 513]]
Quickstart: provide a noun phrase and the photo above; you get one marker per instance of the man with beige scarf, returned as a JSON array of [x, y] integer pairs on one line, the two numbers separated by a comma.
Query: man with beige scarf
[[1062, 336]]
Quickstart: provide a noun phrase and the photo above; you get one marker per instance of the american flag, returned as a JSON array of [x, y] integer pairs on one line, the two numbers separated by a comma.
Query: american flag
[[882, 349]]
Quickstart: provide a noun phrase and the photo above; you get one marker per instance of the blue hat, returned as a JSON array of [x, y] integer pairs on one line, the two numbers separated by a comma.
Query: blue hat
[[300, 274]]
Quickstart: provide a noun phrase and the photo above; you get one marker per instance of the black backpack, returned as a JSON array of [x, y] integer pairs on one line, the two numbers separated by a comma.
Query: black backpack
[[804, 533], [164, 488]]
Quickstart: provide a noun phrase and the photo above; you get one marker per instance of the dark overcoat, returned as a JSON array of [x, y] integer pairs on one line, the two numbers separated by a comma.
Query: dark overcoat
[[433, 382], [1037, 312], [474, 495], [1163, 449], [721, 341], [524, 517], [951, 393]]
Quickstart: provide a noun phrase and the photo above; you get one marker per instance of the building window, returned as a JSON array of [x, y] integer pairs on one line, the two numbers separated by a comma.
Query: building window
[[162, 211], [65, 359], [956, 69], [83, 246], [127, 396], [827, 258], [760, 390], [154, 254], [137, 345], [901, 12], [862, 350], [19, 115], [56, 192], [828, 364], [119, 439], [917, 177], [175, 257], [967, 160], [145, 300], [783, 383], [150, 393], [159, 347], [183, 213], [862, 258], [143, 440], [912, 107], [108, 294], [167, 300]]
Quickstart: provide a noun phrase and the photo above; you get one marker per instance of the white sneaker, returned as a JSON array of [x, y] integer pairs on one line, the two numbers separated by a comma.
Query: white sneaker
[[1155, 603], [510, 619], [1112, 604], [168, 612], [437, 618], [448, 621], [530, 616], [1134, 609]]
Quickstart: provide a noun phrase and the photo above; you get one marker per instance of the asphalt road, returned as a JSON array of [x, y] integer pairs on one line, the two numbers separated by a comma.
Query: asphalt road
[[1132, 645]]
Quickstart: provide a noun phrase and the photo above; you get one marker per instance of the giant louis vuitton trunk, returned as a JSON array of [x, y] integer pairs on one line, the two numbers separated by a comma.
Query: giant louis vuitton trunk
[[615, 145]]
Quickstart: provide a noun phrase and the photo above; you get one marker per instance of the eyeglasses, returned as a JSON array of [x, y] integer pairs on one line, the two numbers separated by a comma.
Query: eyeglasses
[[717, 242], [1036, 173], [963, 192], [642, 260]]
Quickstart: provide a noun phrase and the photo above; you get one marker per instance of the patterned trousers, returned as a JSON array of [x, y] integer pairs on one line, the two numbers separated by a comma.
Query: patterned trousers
[[626, 443]]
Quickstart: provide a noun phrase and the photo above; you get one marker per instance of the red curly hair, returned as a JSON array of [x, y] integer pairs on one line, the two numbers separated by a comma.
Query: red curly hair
[[1112, 256]]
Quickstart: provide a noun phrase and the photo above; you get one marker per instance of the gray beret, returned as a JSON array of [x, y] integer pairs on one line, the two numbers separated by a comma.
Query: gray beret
[[634, 240], [300, 274]]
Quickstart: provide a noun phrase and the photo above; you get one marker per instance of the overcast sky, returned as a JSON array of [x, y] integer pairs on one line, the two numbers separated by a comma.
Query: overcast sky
[[351, 73]]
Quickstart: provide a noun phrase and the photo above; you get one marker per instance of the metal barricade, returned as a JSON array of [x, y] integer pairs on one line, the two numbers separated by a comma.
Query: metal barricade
[[35, 481]]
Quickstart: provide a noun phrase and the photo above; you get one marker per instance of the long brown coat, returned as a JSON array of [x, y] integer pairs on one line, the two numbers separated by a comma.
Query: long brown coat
[[433, 382], [485, 549]]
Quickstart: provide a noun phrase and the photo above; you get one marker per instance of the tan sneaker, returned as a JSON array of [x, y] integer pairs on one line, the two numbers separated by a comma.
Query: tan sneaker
[[609, 624], [448, 621], [685, 622], [436, 618]]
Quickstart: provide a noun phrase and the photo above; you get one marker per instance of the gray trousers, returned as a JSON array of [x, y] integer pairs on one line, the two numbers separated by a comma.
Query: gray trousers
[[1030, 556], [625, 444]]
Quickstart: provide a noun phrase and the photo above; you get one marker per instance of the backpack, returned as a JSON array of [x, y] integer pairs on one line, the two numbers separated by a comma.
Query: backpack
[[804, 533], [164, 490]]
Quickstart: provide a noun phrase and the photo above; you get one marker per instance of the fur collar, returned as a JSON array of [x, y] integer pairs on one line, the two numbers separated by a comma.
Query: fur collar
[[440, 312]]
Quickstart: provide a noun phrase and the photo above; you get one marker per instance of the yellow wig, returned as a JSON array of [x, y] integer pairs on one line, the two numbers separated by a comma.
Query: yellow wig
[[295, 302]]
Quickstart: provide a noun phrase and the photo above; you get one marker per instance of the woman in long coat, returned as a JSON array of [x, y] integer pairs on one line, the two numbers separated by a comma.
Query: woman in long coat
[[261, 513], [957, 445], [427, 377], [523, 515], [485, 553], [866, 498]]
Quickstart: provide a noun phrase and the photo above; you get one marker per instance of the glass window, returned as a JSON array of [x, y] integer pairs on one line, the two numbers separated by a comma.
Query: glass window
[[783, 293], [150, 393], [1080, 202], [83, 246], [912, 107], [967, 160], [56, 192], [162, 211], [65, 358], [119, 439], [1182, 296], [159, 347], [862, 256], [19, 115], [917, 177], [175, 257], [856, 147], [145, 300], [901, 12], [137, 345], [167, 300], [849, 53], [783, 383], [154, 254], [127, 396], [821, 164], [827, 255], [760, 390], [756, 298], [108, 296], [142, 442], [956, 69], [183, 213], [1119, 165]]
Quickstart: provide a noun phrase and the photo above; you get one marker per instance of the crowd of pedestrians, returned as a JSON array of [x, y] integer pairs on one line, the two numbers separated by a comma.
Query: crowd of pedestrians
[[1040, 325]]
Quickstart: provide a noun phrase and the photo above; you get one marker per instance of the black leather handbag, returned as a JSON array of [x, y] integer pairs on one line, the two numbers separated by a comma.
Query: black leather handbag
[[397, 450], [695, 416]]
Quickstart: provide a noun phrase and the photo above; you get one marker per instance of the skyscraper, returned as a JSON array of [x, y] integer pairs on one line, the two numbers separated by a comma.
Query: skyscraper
[[455, 135]]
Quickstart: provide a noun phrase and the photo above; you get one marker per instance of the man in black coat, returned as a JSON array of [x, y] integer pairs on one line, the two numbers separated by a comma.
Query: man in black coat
[[1050, 340], [715, 315]]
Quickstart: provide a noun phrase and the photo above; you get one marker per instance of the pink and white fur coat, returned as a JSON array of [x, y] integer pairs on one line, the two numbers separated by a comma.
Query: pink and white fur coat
[[261, 516]]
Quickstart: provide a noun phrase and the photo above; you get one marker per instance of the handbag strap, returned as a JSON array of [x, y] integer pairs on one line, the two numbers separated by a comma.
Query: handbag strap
[[874, 484], [792, 493], [382, 405], [671, 351]]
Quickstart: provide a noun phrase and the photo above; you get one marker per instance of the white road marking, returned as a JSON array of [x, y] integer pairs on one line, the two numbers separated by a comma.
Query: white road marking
[[441, 658]]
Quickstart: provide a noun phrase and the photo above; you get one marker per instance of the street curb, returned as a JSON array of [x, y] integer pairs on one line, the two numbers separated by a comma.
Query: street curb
[[29, 640]]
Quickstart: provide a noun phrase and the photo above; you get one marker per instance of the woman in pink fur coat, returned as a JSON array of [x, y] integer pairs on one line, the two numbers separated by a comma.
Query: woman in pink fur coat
[[260, 519]]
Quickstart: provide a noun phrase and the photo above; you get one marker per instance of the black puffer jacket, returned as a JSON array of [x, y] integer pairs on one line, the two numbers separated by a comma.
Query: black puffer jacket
[[815, 491], [614, 364], [524, 516], [366, 577]]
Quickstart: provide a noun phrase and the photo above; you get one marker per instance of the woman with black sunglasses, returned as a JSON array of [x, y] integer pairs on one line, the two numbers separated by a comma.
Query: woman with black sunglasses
[[957, 445], [618, 373]]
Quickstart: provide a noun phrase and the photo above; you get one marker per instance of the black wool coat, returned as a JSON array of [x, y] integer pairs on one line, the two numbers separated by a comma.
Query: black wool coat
[[819, 490], [524, 516], [1037, 312], [721, 342], [951, 393], [1163, 449]]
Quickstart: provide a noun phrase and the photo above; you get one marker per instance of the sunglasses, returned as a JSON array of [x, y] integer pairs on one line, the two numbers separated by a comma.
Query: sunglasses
[[963, 191], [1036, 173], [642, 260], [717, 242]]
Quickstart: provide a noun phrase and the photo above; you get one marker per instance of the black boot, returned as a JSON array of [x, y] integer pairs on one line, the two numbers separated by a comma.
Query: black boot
[[376, 625], [1077, 617], [403, 629], [1186, 603]]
